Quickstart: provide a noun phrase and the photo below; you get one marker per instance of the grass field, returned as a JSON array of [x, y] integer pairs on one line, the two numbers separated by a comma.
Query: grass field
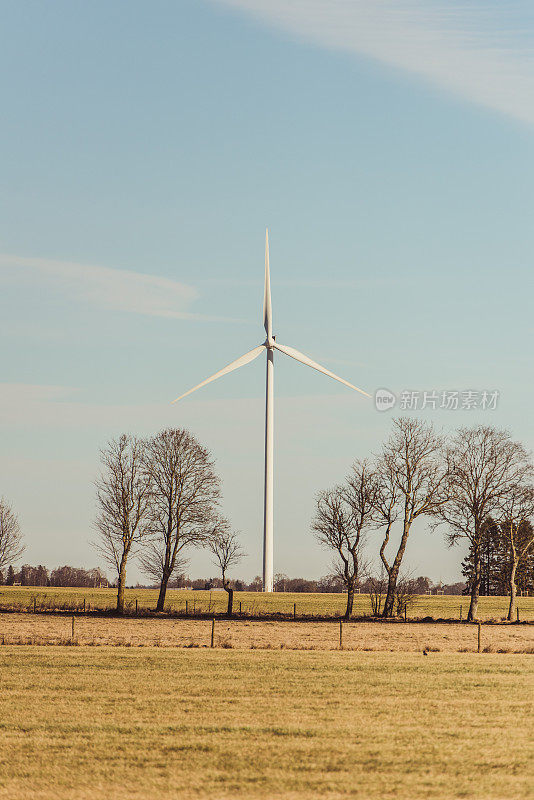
[[251, 603], [128, 723]]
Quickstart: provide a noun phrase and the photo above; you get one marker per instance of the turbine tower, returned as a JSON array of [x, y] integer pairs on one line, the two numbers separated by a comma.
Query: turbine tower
[[269, 345]]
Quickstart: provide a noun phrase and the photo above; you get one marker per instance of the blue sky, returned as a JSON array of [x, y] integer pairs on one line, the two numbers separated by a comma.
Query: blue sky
[[389, 148]]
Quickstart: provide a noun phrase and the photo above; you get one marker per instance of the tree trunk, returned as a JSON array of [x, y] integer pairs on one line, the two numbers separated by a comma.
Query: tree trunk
[[350, 600], [230, 607], [393, 575], [475, 588], [162, 591], [393, 572], [121, 585], [513, 590], [390, 596]]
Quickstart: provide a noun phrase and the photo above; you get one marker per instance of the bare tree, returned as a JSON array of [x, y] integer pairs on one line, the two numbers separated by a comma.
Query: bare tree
[[484, 468], [224, 546], [341, 518], [185, 493], [405, 593], [517, 510], [280, 582], [123, 492], [411, 483], [11, 547]]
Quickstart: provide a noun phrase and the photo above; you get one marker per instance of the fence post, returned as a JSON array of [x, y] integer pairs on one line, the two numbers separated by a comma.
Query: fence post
[[240, 606], [479, 631], [212, 631], [34, 605], [341, 634], [405, 611], [517, 612], [136, 606], [294, 610], [460, 613], [84, 605], [186, 608], [72, 637]]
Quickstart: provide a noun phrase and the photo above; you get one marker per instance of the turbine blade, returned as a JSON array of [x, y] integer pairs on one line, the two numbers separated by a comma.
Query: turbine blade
[[239, 362], [290, 351], [267, 309]]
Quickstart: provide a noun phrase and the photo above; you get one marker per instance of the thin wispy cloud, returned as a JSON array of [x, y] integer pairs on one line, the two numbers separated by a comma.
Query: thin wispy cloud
[[50, 407], [482, 51], [13, 395], [114, 289]]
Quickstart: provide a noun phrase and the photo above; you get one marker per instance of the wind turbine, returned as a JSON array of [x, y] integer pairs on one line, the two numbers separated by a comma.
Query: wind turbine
[[269, 345]]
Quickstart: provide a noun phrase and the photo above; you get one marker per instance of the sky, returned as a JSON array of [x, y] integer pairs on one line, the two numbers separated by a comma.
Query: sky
[[388, 146]]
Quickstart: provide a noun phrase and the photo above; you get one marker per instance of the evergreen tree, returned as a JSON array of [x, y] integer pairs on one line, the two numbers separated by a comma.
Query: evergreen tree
[[525, 569], [496, 562]]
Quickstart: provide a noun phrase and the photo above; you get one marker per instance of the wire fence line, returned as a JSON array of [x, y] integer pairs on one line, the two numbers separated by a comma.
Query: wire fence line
[[251, 634], [250, 605]]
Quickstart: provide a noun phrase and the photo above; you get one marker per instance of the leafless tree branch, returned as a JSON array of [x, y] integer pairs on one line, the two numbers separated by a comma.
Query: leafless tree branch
[[183, 500], [411, 482], [224, 545], [123, 493], [11, 547]]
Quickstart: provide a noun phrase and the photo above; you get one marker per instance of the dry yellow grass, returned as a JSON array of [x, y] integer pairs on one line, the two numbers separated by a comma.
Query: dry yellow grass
[[250, 634], [116, 723]]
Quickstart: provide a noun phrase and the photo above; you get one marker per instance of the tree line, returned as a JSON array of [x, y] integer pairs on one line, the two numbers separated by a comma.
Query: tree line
[[477, 485], [328, 584], [159, 497], [78, 577], [61, 576], [334, 584]]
